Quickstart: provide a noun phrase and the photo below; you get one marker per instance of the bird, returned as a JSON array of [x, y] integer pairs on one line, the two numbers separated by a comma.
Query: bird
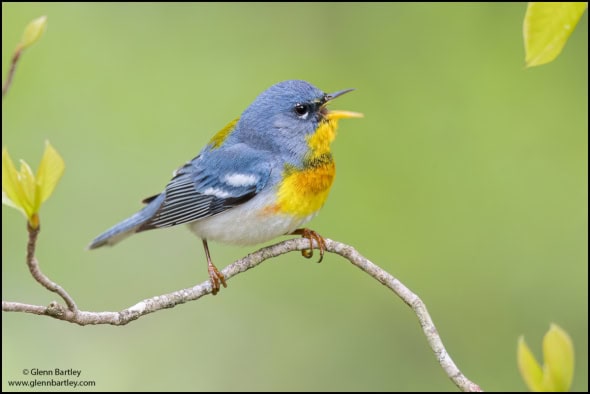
[[264, 175]]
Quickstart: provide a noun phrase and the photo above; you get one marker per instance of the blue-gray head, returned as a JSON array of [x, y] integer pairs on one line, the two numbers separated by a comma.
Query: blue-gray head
[[285, 114]]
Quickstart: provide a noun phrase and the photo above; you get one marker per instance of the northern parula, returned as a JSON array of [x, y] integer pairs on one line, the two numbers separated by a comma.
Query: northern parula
[[263, 175]]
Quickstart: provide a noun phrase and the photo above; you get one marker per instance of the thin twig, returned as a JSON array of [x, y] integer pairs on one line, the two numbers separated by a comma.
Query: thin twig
[[11, 71], [39, 276], [173, 299], [417, 305]]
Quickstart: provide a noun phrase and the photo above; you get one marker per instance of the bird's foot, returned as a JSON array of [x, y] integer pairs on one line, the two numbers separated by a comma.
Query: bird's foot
[[311, 236], [216, 278]]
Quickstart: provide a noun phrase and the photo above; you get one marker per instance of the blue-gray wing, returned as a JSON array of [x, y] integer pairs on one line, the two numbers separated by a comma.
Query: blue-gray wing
[[211, 183]]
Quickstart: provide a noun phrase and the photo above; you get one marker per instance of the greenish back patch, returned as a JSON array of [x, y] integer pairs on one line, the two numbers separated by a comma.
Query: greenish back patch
[[222, 134]]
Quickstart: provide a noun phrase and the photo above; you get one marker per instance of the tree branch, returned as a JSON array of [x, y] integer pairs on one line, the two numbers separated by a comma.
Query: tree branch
[[11, 71], [35, 270], [73, 315]]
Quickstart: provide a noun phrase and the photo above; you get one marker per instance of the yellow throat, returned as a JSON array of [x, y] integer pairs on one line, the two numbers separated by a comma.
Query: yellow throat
[[305, 190]]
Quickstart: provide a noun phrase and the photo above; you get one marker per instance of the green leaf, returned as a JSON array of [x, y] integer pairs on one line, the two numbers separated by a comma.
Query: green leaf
[[529, 367], [547, 26], [25, 191], [558, 352], [33, 31], [8, 202], [558, 362], [12, 192], [27, 184], [49, 173]]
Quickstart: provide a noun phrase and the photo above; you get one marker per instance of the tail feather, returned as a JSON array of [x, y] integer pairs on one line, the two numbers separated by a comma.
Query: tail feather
[[128, 226]]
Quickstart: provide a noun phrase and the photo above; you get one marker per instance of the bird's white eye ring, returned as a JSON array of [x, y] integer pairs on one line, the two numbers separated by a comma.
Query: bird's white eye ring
[[301, 110]]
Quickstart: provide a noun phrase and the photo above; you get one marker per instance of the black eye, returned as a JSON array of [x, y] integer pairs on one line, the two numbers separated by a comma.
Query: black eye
[[301, 109]]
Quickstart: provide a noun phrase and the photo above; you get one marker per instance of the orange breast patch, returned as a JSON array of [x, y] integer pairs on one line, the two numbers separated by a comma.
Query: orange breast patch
[[304, 191]]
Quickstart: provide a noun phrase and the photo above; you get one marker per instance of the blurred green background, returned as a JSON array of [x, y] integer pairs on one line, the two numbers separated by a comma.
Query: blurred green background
[[467, 180]]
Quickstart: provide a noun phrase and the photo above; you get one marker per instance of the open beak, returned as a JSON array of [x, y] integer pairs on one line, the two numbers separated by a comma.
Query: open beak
[[336, 114]]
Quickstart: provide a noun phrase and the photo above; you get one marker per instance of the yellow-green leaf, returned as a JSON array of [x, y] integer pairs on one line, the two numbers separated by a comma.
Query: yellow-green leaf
[[33, 31], [546, 29], [529, 367], [8, 202], [27, 183], [49, 173], [11, 188], [558, 351], [25, 191]]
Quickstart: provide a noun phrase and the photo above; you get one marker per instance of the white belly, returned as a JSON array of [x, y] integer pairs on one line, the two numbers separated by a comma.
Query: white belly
[[247, 224]]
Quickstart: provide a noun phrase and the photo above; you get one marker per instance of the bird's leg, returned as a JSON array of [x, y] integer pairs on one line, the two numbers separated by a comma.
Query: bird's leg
[[311, 236], [214, 274]]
